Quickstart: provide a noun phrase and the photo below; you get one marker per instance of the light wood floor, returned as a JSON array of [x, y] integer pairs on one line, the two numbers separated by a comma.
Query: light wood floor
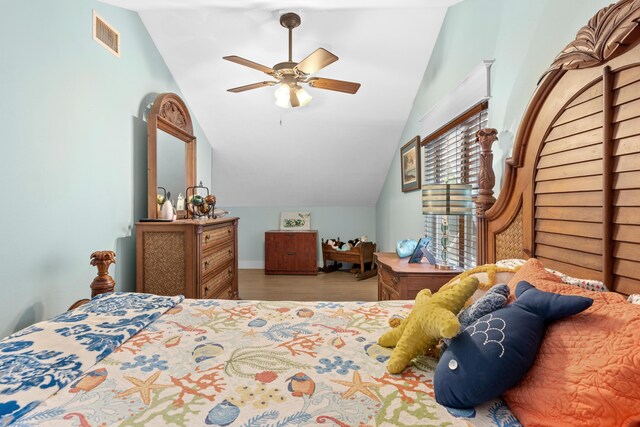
[[336, 286]]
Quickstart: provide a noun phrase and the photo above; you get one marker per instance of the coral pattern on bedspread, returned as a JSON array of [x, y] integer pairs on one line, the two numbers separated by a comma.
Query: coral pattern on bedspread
[[40, 360], [248, 363]]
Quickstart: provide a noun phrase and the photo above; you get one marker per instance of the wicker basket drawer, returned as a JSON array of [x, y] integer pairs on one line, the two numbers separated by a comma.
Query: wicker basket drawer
[[214, 260], [214, 236], [215, 284]]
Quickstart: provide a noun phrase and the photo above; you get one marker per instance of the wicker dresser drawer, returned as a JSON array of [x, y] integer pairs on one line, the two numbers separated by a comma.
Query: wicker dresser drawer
[[215, 236], [195, 258], [214, 285], [226, 293], [212, 261]]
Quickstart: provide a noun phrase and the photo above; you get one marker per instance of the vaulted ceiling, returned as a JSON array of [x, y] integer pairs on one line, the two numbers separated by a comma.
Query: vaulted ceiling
[[337, 150]]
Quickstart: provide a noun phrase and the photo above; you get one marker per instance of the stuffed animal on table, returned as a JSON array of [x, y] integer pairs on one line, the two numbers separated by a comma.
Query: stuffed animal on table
[[432, 317]]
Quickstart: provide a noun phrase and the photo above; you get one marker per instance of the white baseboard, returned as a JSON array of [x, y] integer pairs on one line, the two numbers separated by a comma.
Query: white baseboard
[[257, 265], [251, 265]]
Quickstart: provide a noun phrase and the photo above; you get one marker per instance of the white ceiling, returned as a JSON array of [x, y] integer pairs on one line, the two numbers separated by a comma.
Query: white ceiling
[[336, 151]]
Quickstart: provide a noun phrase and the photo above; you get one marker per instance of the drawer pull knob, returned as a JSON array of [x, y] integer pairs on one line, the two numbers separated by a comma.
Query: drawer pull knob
[[230, 251], [228, 231], [207, 237], [206, 264], [206, 289], [229, 271]]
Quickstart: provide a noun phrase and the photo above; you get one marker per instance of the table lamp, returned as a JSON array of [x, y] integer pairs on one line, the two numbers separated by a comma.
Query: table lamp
[[446, 199]]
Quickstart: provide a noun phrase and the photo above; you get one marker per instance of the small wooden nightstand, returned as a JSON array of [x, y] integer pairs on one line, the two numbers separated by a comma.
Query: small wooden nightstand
[[399, 280]]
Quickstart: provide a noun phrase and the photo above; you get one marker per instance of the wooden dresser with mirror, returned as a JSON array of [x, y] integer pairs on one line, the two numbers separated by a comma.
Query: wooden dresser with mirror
[[193, 257]]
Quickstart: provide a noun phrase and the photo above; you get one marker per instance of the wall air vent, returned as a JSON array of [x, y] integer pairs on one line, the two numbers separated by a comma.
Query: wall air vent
[[106, 35]]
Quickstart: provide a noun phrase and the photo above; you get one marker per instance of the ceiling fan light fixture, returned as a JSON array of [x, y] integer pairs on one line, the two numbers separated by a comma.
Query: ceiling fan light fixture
[[286, 95], [303, 97], [282, 96], [289, 74]]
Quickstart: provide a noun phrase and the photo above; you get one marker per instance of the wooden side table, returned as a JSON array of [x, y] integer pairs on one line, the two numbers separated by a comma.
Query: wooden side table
[[399, 280]]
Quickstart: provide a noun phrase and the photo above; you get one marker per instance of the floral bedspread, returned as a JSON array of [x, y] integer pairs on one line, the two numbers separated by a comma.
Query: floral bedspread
[[39, 360], [250, 364]]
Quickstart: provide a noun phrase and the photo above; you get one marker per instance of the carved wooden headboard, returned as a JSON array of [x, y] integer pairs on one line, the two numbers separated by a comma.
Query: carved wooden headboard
[[571, 190]]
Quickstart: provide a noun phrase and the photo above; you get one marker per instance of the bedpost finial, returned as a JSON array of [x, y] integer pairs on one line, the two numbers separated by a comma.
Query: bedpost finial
[[486, 137], [102, 283]]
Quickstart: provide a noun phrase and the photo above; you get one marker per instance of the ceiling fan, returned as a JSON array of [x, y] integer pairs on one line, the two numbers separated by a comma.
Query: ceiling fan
[[289, 74]]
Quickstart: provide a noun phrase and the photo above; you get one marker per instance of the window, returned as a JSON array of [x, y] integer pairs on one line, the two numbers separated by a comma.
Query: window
[[452, 156]]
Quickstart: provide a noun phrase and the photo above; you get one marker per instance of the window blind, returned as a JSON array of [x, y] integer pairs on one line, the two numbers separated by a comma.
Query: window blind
[[452, 156]]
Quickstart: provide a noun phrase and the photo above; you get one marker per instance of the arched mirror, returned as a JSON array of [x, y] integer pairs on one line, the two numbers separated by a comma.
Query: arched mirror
[[171, 151]]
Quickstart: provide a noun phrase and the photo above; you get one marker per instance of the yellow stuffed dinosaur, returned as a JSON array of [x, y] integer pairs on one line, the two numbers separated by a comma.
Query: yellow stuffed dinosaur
[[432, 317]]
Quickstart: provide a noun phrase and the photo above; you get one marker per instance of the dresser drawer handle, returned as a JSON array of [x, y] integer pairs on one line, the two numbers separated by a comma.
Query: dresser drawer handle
[[230, 252], [228, 231], [206, 264], [206, 290], [229, 271], [207, 237]]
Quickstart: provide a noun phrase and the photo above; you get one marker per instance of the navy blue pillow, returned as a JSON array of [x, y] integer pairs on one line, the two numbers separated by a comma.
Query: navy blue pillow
[[493, 354]]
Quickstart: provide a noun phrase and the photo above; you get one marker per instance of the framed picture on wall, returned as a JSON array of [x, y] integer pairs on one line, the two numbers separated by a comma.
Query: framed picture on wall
[[410, 165], [295, 220]]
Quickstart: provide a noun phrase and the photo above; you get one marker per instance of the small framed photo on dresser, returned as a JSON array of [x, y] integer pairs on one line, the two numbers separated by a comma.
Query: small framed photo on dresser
[[410, 165], [422, 251]]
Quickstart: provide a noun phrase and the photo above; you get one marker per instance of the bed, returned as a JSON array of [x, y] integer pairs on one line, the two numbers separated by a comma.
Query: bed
[[246, 363], [570, 198]]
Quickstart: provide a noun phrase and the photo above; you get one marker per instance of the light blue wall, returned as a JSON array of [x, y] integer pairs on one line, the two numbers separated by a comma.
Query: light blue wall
[[523, 37], [344, 222], [73, 151]]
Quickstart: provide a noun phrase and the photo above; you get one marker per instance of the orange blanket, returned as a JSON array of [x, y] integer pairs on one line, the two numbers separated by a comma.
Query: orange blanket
[[587, 372]]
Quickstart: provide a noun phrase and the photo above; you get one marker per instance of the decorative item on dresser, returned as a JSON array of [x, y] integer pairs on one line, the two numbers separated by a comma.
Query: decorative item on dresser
[[291, 252], [400, 280], [197, 259]]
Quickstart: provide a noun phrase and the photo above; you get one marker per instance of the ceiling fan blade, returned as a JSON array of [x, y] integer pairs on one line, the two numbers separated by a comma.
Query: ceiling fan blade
[[315, 62], [249, 64], [293, 98], [337, 85], [251, 86]]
